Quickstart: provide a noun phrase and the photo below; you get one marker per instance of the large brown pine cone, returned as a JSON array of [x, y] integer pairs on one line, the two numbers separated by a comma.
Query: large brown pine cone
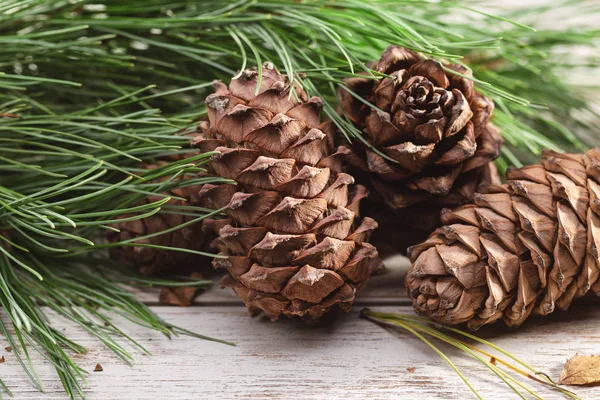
[[292, 246], [151, 261], [434, 129], [525, 247]]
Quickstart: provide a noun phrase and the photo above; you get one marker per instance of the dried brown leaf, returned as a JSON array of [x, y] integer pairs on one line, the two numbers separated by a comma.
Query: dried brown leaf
[[581, 370]]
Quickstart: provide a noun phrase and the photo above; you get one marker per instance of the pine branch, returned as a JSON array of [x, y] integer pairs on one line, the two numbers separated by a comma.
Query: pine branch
[[66, 179], [167, 43]]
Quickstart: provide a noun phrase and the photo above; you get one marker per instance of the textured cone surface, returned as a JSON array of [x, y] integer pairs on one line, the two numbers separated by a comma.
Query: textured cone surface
[[293, 245], [433, 126], [151, 261], [527, 247]]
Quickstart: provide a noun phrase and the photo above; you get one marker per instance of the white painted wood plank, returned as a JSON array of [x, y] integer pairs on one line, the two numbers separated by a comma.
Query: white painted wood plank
[[344, 357]]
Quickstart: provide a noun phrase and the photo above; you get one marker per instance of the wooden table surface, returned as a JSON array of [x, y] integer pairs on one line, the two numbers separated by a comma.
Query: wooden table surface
[[344, 357]]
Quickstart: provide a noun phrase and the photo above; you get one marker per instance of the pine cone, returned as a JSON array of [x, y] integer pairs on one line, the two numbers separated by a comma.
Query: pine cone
[[432, 124], [524, 247], [291, 245], [150, 261]]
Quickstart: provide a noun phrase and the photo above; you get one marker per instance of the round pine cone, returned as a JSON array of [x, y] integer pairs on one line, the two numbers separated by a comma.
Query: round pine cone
[[430, 138], [525, 247], [293, 245]]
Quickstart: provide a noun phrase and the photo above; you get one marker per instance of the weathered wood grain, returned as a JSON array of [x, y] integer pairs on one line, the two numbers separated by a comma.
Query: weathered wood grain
[[343, 357]]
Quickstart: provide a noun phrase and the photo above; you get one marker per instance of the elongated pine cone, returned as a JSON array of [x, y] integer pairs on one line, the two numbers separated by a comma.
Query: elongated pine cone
[[292, 246], [525, 247], [434, 129], [152, 261]]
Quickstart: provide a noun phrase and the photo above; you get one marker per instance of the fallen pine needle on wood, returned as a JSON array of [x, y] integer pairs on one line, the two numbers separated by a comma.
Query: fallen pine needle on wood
[[513, 367]]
